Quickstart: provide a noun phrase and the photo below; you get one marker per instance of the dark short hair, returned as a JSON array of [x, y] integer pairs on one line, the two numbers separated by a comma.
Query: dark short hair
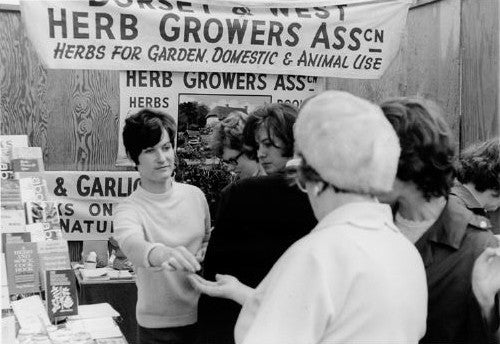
[[427, 153], [479, 164], [144, 128], [277, 119], [229, 133]]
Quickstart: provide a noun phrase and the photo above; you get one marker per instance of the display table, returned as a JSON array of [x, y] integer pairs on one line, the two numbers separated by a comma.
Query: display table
[[120, 294]]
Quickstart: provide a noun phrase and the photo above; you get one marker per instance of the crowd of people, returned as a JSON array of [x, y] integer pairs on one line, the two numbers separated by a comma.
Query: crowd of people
[[350, 222]]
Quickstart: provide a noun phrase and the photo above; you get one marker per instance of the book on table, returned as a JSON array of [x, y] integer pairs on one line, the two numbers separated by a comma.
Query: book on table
[[61, 293], [22, 267]]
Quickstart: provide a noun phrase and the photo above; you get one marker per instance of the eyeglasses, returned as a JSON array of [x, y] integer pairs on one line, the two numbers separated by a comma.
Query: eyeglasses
[[234, 160]]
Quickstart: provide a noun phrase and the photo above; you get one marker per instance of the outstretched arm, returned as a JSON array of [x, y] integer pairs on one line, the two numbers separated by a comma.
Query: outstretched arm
[[224, 286]]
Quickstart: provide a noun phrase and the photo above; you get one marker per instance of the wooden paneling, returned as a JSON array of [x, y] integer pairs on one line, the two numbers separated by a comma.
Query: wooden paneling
[[427, 65], [480, 89], [71, 114]]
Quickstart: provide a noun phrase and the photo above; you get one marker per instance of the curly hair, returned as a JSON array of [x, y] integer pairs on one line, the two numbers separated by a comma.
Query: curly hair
[[479, 164], [427, 152], [278, 120], [229, 133], [144, 129]]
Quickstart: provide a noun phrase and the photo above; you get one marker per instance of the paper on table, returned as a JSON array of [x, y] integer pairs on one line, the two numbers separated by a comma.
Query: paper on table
[[99, 273], [120, 274], [31, 313], [97, 310], [9, 329], [4, 285], [103, 327]]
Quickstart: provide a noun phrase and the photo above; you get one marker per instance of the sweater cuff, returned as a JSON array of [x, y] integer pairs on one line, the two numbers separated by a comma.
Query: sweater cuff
[[147, 264]]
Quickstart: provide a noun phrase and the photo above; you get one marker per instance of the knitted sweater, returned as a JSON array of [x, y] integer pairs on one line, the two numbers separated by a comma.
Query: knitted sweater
[[145, 220]]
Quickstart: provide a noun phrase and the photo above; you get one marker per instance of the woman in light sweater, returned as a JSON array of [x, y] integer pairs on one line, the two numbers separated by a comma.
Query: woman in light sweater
[[163, 227]]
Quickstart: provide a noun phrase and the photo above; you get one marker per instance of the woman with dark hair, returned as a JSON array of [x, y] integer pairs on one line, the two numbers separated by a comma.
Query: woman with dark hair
[[161, 227], [257, 220], [227, 144], [447, 235], [269, 132], [354, 278]]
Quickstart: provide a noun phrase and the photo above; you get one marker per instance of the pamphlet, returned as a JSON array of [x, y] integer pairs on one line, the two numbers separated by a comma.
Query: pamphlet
[[8, 329], [33, 187], [104, 327], [12, 220], [61, 293], [27, 159], [14, 237], [10, 194], [7, 143], [47, 214], [31, 313], [53, 255], [96, 310], [22, 268], [4, 284]]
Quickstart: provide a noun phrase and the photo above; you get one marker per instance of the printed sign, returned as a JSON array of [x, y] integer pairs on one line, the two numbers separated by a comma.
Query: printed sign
[[337, 38], [199, 100], [86, 200]]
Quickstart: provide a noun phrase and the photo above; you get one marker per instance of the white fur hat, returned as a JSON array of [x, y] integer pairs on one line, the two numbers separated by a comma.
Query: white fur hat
[[348, 141]]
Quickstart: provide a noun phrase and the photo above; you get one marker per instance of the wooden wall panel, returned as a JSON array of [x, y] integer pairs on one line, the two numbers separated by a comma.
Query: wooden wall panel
[[71, 114], [480, 84], [428, 62]]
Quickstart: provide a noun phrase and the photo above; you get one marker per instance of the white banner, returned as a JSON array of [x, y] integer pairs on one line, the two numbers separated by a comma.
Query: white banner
[[337, 38], [209, 97], [87, 200]]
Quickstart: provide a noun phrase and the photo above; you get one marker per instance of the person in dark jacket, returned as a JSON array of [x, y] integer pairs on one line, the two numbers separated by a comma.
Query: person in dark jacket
[[478, 186], [258, 219], [447, 234]]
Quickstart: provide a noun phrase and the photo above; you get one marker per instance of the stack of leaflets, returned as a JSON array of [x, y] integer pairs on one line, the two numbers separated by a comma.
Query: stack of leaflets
[[27, 159], [7, 144], [35, 258]]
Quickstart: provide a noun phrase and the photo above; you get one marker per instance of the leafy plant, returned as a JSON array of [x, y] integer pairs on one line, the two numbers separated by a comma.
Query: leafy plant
[[211, 179]]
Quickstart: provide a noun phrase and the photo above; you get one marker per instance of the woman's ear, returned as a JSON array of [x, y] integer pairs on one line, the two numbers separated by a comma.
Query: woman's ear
[[317, 188]]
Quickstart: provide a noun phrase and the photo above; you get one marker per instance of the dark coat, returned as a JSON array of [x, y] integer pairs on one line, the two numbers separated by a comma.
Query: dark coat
[[258, 220], [449, 249]]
